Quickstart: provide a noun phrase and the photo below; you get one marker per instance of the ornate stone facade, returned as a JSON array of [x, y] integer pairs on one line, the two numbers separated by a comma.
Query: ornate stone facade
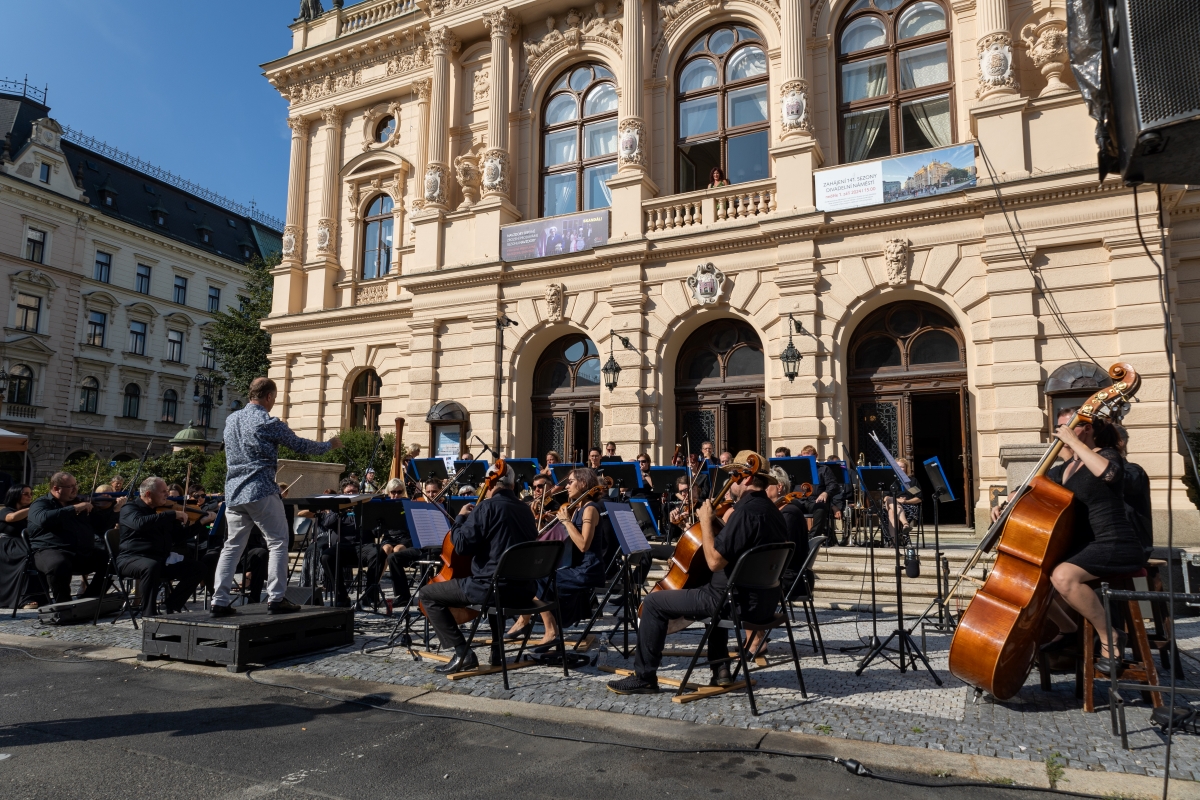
[[793, 107], [895, 255], [1047, 47], [995, 64]]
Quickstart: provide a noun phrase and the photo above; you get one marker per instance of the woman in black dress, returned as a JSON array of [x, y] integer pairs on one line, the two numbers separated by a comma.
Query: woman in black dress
[[1104, 543], [14, 516]]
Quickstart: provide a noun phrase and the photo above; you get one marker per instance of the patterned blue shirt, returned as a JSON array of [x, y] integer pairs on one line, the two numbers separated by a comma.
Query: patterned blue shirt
[[252, 439]]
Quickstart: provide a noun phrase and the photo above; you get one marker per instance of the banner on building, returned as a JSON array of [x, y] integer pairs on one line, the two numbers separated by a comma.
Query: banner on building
[[894, 179], [554, 236]]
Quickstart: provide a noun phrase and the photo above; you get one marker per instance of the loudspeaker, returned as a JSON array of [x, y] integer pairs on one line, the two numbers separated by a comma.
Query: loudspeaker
[[1154, 80], [303, 595]]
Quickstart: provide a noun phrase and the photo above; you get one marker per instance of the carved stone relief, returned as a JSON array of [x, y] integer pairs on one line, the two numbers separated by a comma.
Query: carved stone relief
[[290, 235], [555, 301], [496, 171], [576, 29], [995, 64], [793, 105], [481, 86], [1047, 47], [467, 172], [371, 293], [631, 132], [435, 184], [326, 235], [895, 256], [706, 284]]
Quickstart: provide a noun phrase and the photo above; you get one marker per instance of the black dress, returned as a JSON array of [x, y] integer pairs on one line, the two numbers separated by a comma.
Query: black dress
[[1104, 542]]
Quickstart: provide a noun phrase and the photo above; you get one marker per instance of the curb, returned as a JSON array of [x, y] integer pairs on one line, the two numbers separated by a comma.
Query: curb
[[878, 757]]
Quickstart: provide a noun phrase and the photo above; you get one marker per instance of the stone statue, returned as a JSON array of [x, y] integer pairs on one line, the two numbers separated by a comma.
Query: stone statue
[[311, 9]]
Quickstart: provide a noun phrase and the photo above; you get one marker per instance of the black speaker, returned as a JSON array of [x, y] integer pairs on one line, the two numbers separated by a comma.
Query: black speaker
[[1154, 80], [303, 595]]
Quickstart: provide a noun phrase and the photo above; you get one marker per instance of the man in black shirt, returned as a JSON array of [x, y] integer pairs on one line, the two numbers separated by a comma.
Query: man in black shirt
[[826, 497], [340, 530], [755, 521], [62, 539], [483, 532], [147, 539]]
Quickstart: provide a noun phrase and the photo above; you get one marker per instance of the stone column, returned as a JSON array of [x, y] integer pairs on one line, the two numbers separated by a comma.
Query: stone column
[[289, 276], [631, 132], [994, 45], [422, 88], [327, 225], [496, 164], [442, 43], [793, 90]]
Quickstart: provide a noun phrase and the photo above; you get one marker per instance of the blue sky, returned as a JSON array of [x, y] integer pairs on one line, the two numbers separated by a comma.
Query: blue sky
[[174, 82]]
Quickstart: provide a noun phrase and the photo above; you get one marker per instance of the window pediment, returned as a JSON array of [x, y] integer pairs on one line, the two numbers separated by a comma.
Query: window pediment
[[100, 299], [35, 279]]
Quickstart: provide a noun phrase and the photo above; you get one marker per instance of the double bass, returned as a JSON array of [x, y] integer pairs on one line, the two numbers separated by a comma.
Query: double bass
[[458, 565], [999, 633]]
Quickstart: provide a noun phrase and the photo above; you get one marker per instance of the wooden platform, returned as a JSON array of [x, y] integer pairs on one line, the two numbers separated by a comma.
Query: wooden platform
[[694, 692], [252, 636]]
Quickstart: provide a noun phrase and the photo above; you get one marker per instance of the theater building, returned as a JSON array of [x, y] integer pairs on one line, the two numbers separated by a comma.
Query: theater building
[[907, 195]]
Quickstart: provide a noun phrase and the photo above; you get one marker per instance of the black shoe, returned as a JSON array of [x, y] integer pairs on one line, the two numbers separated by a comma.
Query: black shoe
[[721, 676], [519, 633], [496, 658], [1105, 665], [464, 663], [633, 685], [283, 606], [222, 611]]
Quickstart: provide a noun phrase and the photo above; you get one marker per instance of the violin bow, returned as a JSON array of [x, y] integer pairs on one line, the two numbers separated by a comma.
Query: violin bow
[[138, 474], [95, 481]]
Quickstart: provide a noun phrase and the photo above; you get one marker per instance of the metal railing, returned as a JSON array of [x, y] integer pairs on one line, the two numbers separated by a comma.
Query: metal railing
[[108, 151], [22, 87]]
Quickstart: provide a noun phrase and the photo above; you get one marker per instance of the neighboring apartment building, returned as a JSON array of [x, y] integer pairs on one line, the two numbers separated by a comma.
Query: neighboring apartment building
[[860, 204], [114, 272]]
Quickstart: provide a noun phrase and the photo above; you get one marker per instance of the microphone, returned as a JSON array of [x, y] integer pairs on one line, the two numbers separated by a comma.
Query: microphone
[[912, 563]]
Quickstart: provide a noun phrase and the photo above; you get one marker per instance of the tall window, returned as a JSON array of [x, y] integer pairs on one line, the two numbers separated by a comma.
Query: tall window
[[89, 395], [103, 269], [35, 245], [141, 283], [894, 81], [723, 121], [174, 345], [214, 299], [377, 245], [20, 385], [29, 312], [133, 401], [170, 407], [96, 323], [365, 401], [137, 338], [208, 356], [180, 295], [579, 141], [45, 173]]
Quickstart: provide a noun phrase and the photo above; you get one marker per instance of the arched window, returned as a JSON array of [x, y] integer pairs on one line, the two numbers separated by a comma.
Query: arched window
[[133, 401], [170, 405], [894, 81], [89, 395], [579, 141], [908, 337], [566, 398], [364, 401], [377, 241], [722, 119], [719, 383], [20, 385]]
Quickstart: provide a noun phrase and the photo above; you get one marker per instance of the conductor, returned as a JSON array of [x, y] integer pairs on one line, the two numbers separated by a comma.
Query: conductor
[[252, 440]]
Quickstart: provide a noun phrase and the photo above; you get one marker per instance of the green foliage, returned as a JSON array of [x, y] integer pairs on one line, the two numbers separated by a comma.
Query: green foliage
[[354, 456], [237, 338], [208, 470], [1055, 769]]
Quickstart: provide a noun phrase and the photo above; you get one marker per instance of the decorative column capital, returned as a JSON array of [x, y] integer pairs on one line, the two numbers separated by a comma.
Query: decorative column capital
[[631, 134], [996, 74], [793, 107], [501, 23], [423, 87], [332, 116], [496, 168], [299, 126], [441, 41]]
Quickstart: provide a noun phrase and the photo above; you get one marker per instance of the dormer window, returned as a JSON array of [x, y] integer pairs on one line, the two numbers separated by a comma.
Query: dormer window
[[246, 251], [205, 237], [45, 173], [107, 198], [160, 218]]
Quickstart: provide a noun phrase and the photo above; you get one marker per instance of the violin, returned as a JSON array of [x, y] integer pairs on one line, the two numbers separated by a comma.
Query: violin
[[594, 493], [457, 565], [194, 513], [804, 493], [998, 635]]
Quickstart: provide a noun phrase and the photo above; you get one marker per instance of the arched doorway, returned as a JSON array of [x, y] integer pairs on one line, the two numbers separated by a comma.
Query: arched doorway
[[908, 385], [566, 399], [719, 387]]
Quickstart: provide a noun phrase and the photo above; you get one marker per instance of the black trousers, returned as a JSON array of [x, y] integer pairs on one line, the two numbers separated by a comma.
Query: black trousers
[[364, 556], [59, 565], [397, 561], [150, 574], [438, 599], [820, 516], [659, 608], [254, 560]]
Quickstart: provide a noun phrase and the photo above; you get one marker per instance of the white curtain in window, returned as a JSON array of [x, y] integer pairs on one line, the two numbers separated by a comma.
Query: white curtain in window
[[863, 79], [861, 130], [924, 66], [933, 118]]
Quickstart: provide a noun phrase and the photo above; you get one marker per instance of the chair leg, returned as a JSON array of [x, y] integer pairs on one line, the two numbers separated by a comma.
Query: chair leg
[[808, 621], [796, 658], [560, 641], [742, 666], [497, 623], [708, 626], [817, 625]]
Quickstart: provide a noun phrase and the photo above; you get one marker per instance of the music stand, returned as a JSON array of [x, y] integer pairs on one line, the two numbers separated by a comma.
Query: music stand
[[430, 469], [942, 493], [428, 525], [645, 516], [634, 548], [455, 503], [799, 469], [664, 478], [524, 470], [560, 471], [625, 475], [610, 459], [470, 473], [328, 502]]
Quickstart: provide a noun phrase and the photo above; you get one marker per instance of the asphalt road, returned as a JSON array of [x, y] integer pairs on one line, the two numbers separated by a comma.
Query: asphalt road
[[100, 730]]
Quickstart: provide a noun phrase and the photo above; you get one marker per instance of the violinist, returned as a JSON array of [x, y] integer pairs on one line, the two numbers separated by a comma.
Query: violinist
[[397, 547], [643, 460], [827, 494], [431, 489], [755, 520], [594, 457], [793, 516], [62, 539], [482, 532], [14, 516], [339, 530], [682, 503], [118, 483], [147, 537], [542, 504]]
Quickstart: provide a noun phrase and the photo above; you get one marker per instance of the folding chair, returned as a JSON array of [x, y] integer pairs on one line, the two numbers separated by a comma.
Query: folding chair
[[28, 573], [758, 570], [801, 591], [524, 562], [112, 544]]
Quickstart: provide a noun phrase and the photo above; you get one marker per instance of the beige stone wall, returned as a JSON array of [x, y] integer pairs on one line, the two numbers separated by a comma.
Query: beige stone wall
[[432, 333]]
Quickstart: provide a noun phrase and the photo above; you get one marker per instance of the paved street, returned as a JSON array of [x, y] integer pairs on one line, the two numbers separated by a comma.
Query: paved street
[[105, 730]]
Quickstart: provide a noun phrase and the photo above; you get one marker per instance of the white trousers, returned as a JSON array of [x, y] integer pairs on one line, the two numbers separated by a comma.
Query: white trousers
[[270, 518]]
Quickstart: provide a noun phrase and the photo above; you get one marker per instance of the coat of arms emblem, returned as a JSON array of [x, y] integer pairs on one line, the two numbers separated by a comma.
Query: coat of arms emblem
[[706, 283]]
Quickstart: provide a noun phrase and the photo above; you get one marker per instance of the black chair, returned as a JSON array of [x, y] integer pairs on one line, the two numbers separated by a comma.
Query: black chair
[[758, 570], [29, 573], [525, 562], [112, 544], [801, 591]]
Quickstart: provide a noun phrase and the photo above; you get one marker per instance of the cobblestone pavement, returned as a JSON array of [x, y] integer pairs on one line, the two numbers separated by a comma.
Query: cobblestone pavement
[[881, 705]]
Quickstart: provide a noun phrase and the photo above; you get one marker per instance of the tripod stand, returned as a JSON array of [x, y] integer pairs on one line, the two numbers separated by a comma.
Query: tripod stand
[[630, 595], [906, 647], [872, 643]]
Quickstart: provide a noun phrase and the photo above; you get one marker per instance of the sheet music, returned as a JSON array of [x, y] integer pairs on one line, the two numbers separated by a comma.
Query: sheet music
[[905, 481], [427, 523], [449, 461], [628, 531]]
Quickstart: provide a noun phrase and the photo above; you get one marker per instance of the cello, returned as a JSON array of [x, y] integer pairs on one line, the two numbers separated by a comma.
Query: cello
[[998, 634], [458, 565], [689, 568]]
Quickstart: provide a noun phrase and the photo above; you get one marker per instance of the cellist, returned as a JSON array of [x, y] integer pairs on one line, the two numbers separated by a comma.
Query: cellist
[[482, 532]]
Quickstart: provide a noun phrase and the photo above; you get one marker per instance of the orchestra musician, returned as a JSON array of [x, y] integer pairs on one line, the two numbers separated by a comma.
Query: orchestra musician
[[901, 521], [252, 440], [541, 502], [147, 541], [684, 500], [643, 460], [397, 548], [783, 452], [118, 483], [430, 489], [14, 517], [794, 517], [610, 449], [483, 532], [1137, 493], [825, 499], [62, 539], [338, 529], [594, 458], [755, 520], [552, 458]]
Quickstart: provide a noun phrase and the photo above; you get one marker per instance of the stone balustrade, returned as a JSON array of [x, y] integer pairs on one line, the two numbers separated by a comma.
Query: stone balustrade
[[710, 206], [364, 15]]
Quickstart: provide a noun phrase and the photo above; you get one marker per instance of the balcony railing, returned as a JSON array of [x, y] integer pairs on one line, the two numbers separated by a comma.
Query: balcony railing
[[711, 206], [20, 411], [364, 15]]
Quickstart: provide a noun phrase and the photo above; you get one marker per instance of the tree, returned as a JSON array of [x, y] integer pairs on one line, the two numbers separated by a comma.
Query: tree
[[236, 335], [358, 445]]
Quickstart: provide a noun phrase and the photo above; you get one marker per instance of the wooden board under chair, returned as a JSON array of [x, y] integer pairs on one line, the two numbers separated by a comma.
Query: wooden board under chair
[[471, 673], [695, 690]]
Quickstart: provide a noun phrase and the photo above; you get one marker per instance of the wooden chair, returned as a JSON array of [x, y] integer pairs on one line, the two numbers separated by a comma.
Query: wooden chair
[[1142, 670]]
